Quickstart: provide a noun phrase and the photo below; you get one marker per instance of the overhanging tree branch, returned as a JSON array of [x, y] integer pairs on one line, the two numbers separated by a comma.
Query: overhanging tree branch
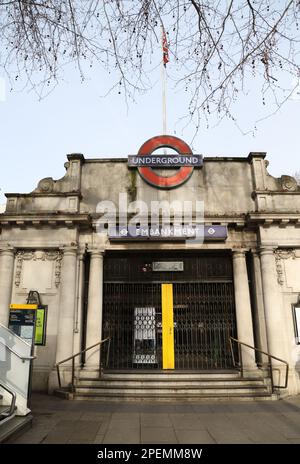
[[216, 47]]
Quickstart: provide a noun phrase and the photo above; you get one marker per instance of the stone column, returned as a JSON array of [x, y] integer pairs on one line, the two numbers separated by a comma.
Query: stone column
[[243, 308], [78, 305], [67, 305], [259, 320], [94, 312], [275, 323], [7, 257]]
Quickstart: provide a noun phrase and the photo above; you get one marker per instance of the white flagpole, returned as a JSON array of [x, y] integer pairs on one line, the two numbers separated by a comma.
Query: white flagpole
[[164, 102], [164, 87]]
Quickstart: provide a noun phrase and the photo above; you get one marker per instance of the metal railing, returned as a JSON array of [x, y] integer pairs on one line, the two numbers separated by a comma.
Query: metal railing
[[9, 411], [72, 384], [23, 358], [240, 366]]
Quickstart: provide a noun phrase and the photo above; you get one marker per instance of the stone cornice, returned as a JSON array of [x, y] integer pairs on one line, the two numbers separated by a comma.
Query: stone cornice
[[44, 194], [50, 219], [275, 192], [208, 221], [256, 154], [76, 156], [244, 159], [222, 219], [267, 219]]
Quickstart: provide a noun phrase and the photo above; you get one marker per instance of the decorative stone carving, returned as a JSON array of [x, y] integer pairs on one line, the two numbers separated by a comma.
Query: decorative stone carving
[[54, 255], [18, 270], [46, 185], [57, 271], [21, 255], [279, 256], [280, 271], [288, 183], [285, 254]]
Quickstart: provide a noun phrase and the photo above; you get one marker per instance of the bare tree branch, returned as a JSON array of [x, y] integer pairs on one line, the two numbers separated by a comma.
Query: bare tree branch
[[216, 47]]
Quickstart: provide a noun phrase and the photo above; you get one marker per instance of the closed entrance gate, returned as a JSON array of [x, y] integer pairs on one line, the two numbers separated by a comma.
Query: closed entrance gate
[[168, 319]]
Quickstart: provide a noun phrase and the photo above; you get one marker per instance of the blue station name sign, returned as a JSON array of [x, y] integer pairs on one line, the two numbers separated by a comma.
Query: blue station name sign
[[204, 232], [165, 161]]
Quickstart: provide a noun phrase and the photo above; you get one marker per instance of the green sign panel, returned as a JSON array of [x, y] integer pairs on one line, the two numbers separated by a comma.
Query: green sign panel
[[40, 326]]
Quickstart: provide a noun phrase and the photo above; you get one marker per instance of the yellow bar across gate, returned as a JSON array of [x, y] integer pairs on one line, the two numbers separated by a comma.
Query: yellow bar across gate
[[167, 326]]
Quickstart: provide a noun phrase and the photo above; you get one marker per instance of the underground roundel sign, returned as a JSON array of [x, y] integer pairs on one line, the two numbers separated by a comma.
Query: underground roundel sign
[[145, 161]]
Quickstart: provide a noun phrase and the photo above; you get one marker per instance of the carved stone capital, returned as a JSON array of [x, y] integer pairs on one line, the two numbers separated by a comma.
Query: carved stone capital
[[279, 256], [285, 254], [7, 250]]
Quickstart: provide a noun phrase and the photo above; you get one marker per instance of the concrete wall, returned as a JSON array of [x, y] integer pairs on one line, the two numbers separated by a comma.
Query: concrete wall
[[224, 186]]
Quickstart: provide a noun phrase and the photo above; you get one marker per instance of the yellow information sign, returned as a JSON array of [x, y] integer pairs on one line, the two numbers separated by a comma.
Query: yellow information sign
[[21, 317], [23, 306]]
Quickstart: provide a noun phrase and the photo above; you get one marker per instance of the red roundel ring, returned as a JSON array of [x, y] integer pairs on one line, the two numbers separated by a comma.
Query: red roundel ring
[[176, 144]]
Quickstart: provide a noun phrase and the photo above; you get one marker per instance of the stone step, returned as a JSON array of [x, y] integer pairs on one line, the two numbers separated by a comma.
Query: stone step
[[169, 386], [170, 390], [165, 383], [15, 426], [167, 398], [161, 375]]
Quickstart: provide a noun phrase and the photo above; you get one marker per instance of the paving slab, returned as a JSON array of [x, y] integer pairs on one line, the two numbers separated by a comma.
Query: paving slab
[[232, 434], [98, 439], [95, 416], [194, 437], [158, 435], [258, 430], [122, 436], [123, 425], [187, 421], [56, 420], [155, 420]]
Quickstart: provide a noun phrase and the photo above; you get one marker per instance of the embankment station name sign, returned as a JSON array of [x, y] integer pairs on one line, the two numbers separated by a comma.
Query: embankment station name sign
[[206, 233]]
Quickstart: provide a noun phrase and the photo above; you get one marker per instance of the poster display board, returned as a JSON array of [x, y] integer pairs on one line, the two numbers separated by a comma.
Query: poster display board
[[28, 321]]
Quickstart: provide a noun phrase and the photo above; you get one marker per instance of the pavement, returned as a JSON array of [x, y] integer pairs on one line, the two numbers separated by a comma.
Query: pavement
[[61, 421]]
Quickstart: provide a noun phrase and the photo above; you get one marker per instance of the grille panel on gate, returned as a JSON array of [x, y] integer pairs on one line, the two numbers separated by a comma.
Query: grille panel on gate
[[204, 319], [132, 318], [204, 313]]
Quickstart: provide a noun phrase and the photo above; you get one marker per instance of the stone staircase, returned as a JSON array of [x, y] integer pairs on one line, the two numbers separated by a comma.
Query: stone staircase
[[10, 425], [165, 387]]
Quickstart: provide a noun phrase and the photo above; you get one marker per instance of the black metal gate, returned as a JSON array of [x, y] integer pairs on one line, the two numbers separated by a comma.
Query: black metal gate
[[132, 318], [203, 308], [204, 319]]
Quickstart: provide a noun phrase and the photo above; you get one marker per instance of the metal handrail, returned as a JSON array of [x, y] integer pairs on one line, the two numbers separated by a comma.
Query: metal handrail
[[8, 412], [78, 354], [24, 358], [270, 356], [7, 329]]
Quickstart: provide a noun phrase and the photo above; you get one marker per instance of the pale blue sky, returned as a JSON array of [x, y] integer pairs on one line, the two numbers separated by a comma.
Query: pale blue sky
[[37, 135]]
